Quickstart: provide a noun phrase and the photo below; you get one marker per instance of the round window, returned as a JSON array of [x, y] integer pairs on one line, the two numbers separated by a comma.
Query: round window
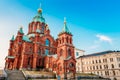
[[71, 65]]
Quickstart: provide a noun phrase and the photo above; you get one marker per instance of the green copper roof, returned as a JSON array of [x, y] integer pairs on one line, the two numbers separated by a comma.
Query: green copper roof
[[11, 57], [31, 35], [68, 58], [26, 38], [53, 55], [65, 28], [21, 30], [39, 17], [38, 30], [12, 39]]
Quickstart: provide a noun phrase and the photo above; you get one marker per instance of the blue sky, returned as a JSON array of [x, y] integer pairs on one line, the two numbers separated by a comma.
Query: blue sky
[[95, 24]]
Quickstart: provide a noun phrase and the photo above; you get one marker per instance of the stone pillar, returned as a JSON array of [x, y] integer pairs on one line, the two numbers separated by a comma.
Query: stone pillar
[[22, 59], [15, 63], [10, 66], [65, 70], [34, 62], [6, 65]]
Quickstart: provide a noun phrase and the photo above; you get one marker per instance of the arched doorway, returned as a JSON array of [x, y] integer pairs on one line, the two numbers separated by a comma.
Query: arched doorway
[[71, 70]]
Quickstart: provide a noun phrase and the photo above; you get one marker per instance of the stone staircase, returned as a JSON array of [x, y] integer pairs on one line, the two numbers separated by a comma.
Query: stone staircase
[[15, 75]]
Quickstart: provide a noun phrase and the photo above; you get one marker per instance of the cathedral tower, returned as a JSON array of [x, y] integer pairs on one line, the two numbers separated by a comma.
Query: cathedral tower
[[38, 24], [65, 45], [65, 52]]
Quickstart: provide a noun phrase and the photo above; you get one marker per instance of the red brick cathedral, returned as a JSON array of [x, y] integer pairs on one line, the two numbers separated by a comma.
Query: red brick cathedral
[[39, 50]]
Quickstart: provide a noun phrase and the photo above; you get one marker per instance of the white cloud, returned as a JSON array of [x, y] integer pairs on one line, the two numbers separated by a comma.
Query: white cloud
[[97, 43], [104, 38]]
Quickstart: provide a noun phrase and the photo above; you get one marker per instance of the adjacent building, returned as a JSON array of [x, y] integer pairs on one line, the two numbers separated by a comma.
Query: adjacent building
[[79, 52], [38, 50], [105, 64]]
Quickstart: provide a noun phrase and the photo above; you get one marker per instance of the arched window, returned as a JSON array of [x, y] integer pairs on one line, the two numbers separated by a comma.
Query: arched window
[[70, 41], [67, 39], [114, 79], [46, 51], [61, 52], [60, 68], [39, 62], [38, 26], [29, 61], [33, 28], [112, 65], [77, 54], [47, 42], [42, 29], [113, 72], [69, 52], [30, 49], [38, 51], [62, 40]]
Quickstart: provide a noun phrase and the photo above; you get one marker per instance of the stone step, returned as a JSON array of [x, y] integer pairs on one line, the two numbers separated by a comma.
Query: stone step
[[15, 75]]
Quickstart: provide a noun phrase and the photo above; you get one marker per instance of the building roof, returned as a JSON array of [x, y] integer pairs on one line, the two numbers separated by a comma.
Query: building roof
[[68, 58], [12, 39], [53, 55], [21, 30], [26, 38], [11, 57], [79, 50], [39, 17], [31, 35], [99, 53], [38, 30], [65, 28]]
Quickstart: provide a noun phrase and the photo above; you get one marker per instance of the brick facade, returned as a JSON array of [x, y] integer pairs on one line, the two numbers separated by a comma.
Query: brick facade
[[39, 50]]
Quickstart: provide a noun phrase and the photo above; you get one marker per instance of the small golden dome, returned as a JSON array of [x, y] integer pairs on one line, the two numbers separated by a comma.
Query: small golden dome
[[39, 10]]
